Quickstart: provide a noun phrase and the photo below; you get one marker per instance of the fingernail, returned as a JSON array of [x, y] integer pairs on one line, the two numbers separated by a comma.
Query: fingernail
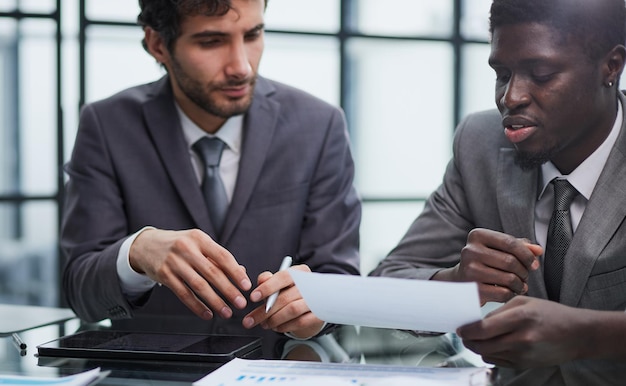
[[207, 314], [248, 322], [265, 326], [255, 296], [240, 302], [226, 312], [246, 284]]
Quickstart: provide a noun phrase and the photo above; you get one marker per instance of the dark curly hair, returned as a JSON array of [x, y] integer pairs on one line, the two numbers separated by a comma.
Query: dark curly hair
[[599, 25], [164, 16]]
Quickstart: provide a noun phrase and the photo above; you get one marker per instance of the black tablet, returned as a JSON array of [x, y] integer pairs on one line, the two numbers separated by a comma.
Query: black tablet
[[106, 344]]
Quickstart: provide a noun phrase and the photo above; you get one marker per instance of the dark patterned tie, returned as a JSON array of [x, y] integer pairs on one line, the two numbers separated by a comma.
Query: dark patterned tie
[[559, 236], [210, 150]]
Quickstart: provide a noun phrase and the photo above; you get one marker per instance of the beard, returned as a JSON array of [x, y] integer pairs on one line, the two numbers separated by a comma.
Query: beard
[[201, 94], [529, 161]]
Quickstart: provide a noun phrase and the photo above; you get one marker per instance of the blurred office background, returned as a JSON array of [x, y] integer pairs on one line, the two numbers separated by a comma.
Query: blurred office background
[[405, 72]]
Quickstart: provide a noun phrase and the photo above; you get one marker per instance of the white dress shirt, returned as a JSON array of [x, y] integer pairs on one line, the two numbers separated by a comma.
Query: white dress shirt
[[135, 284], [583, 178]]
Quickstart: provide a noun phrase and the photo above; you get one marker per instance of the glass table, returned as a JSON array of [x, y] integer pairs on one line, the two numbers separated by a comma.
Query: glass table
[[345, 344]]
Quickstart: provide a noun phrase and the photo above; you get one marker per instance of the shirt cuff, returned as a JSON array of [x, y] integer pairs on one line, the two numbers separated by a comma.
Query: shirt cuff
[[292, 336], [326, 347], [313, 345], [133, 284]]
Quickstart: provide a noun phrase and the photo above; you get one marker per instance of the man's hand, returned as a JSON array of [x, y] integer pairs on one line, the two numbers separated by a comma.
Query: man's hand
[[529, 332], [194, 267], [498, 262], [290, 313]]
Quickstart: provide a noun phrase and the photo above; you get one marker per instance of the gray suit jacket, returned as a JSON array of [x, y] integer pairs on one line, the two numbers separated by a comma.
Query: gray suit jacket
[[483, 188], [131, 168]]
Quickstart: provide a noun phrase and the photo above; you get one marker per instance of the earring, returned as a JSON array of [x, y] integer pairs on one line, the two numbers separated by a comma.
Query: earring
[[609, 84]]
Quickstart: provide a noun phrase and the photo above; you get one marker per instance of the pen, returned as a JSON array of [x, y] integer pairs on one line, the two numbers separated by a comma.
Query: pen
[[287, 260], [17, 341]]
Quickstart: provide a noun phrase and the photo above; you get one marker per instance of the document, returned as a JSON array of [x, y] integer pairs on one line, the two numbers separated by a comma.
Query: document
[[243, 372], [82, 379], [383, 302]]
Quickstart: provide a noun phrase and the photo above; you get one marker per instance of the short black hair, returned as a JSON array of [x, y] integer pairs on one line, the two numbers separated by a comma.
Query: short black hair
[[599, 25], [164, 16]]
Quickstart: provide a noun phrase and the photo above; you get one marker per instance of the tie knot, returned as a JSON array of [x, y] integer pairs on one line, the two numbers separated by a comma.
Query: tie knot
[[210, 149], [564, 194]]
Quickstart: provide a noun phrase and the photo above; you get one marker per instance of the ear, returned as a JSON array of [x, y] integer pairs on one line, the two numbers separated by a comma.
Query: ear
[[614, 63], [156, 45]]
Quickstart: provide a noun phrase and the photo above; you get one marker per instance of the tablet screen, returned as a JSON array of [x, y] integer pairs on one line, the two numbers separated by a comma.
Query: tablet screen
[[139, 345]]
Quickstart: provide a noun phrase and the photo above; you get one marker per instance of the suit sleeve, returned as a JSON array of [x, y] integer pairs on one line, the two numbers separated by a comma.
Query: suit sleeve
[[330, 232], [435, 239], [93, 227]]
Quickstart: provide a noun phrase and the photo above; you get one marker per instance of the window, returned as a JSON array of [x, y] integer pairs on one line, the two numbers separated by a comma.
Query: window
[[405, 72], [29, 153]]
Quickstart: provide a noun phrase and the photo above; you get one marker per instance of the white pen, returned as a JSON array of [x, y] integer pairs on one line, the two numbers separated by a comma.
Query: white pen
[[287, 260]]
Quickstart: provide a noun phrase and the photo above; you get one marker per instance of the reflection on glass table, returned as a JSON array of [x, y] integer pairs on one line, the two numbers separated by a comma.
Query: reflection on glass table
[[346, 344]]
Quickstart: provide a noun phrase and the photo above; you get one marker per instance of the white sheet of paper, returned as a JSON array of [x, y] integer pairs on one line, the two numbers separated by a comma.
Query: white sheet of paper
[[383, 302], [81, 379], [242, 372]]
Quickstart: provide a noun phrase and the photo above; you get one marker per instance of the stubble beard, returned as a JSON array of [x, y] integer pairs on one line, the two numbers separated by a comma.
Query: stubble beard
[[200, 94], [528, 161]]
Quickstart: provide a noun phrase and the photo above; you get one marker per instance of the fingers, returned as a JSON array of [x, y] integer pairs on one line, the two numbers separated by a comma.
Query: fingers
[[499, 262], [195, 268], [506, 336], [191, 283], [206, 269], [484, 329], [305, 326], [528, 332], [506, 251], [290, 313], [287, 307], [262, 278], [537, 250], [294, 316], [269, 283], [223, 259], [498, 293], [210, 279], [499, 322], [189, 299]]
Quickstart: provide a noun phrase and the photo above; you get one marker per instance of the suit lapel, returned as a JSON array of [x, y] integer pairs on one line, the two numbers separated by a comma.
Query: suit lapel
[[258, 131], [604, 213], [166, 133], [517, 197], [516, 193]]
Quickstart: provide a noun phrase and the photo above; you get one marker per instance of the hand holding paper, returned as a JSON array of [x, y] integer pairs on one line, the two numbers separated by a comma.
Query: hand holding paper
[[389, 302]]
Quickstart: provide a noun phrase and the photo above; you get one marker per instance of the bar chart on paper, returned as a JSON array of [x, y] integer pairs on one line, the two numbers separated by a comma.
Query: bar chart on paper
[[244, 380], [244, 372], [260, 379]]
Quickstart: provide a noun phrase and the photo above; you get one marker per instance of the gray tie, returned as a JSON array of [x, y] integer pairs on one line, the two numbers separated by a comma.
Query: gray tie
[[559, 236], [210, 150]]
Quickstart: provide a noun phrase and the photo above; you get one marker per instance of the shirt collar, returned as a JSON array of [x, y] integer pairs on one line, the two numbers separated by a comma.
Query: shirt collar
[[230, 132], [585, 176]]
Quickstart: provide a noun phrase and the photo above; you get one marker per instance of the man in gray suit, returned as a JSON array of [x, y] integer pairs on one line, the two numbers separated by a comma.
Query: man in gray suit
[[138, 234], [561, 116]]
